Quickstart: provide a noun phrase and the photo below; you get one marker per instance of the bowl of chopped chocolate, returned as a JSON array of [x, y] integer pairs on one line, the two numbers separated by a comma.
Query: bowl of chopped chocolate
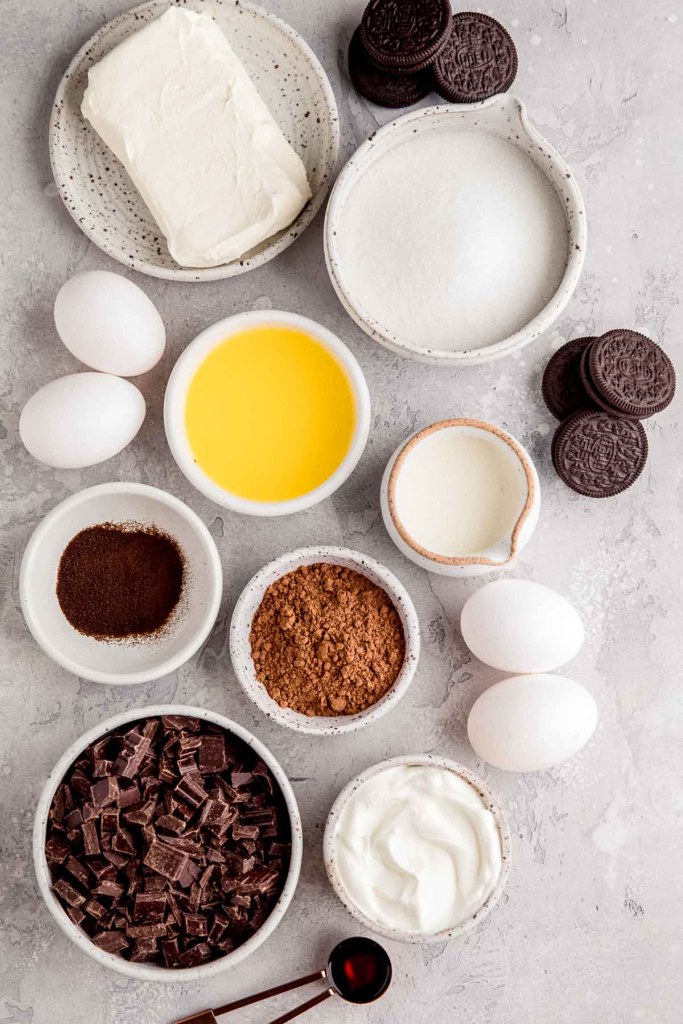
[[324, 640], [167, 843], [121, 583]]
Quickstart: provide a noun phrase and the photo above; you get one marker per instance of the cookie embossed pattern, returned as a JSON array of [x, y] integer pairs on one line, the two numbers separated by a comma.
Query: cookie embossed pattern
[[478, 60], [405, 36], [632, 375], [598, 454]]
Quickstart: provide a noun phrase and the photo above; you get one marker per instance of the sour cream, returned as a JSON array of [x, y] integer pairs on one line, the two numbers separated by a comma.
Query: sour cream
[[416, 849]]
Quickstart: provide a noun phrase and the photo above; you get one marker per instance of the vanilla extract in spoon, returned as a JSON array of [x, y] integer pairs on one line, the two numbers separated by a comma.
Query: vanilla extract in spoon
[[358, 971]]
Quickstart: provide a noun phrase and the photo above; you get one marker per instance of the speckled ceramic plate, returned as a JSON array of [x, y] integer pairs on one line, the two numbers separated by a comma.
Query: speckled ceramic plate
[[96, 189]]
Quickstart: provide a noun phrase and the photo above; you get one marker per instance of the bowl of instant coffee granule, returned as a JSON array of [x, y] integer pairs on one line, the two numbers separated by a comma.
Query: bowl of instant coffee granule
[[324, 640], [121, 583]]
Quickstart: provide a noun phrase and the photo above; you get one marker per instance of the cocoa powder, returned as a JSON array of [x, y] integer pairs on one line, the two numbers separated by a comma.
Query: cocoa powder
[[326, 640]]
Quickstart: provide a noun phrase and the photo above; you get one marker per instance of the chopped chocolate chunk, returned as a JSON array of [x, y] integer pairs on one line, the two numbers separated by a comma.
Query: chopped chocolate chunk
[[141, 815], [111, 942], [171, 951], [109, 888], [187, 763], [192, 791], [150, 906], [57, 850], [91, 842], [166, 861], [196, 924], [195, 955], [104, 792], [168, 842], [94, 908], [128, 797], [69, 893], [119, 860], [73, 819], [146, 931], [169, 823], [78, 871], [240, 831], [77, 916], [212, 754], [123, 842], [144, 951], [240, 779]]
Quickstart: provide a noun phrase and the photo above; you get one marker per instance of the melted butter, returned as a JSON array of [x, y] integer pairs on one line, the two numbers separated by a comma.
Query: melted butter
[[270, 414]]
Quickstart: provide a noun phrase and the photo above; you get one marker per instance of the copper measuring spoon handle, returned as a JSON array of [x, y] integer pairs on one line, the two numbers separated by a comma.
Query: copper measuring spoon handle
[[267, 993], [209, 1016], [321, 997]]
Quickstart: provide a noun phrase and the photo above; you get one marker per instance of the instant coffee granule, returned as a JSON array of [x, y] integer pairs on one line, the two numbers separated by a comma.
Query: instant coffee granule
[[326, 640], [120, 581]]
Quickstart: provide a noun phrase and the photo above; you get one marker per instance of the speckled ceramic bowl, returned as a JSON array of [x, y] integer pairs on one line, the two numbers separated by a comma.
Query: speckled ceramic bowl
[[96, 189], [249, 601], [151, 972], [330, 845], [503, 116]]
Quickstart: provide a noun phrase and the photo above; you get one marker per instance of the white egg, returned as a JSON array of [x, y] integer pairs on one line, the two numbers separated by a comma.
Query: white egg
[[81, 419], [109, 323], [528, 723], [520, 626]]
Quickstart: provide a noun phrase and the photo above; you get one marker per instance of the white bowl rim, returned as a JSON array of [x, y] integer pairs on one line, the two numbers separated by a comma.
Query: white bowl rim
[[289, 235], [181, 377], [170, 664], [432, 761], [240, 627], [148, 972], [577, 234], [510, 444]]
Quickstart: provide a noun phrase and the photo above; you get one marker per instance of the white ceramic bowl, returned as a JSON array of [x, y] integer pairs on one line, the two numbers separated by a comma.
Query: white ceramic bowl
[[330, 857], [176, 397], [122, 663], [151, 972], [97, 191], [503, 554], [248, 603], [503, 116]]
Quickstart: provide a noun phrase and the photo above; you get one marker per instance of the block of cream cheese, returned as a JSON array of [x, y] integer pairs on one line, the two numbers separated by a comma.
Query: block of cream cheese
[[178, 109]]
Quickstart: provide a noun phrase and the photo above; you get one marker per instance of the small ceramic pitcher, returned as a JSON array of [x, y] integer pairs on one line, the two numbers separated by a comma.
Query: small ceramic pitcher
[[504, 551]]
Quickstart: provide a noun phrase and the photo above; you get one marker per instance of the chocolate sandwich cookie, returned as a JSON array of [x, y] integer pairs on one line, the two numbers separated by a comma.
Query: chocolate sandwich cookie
[[563, 390], [594, 397], [598, 454], [630, 374], [405, 35], [383, 87], [478, 60]]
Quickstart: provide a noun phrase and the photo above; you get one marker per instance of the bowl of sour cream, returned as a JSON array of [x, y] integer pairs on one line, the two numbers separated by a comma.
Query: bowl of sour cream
[[417, 849]]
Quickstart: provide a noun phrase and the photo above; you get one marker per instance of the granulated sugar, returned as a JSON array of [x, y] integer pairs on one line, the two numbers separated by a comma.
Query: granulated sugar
[[452, 240]]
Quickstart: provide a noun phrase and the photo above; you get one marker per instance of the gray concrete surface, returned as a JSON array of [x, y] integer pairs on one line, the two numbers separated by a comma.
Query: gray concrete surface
[[590, 928]]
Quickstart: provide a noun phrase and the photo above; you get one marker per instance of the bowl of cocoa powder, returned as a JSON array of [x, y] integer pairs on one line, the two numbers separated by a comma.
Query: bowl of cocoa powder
[[121, 583], [324, 640]]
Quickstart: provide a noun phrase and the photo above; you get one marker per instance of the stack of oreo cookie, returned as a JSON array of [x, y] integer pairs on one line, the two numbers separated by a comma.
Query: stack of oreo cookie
[[601, 388], [405, 49]]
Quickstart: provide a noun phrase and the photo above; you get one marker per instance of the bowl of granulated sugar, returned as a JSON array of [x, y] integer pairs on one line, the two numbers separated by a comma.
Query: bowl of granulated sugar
[[324, 640]]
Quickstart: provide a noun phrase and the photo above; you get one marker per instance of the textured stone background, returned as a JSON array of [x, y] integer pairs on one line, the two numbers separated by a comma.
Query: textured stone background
[[589, 930]]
